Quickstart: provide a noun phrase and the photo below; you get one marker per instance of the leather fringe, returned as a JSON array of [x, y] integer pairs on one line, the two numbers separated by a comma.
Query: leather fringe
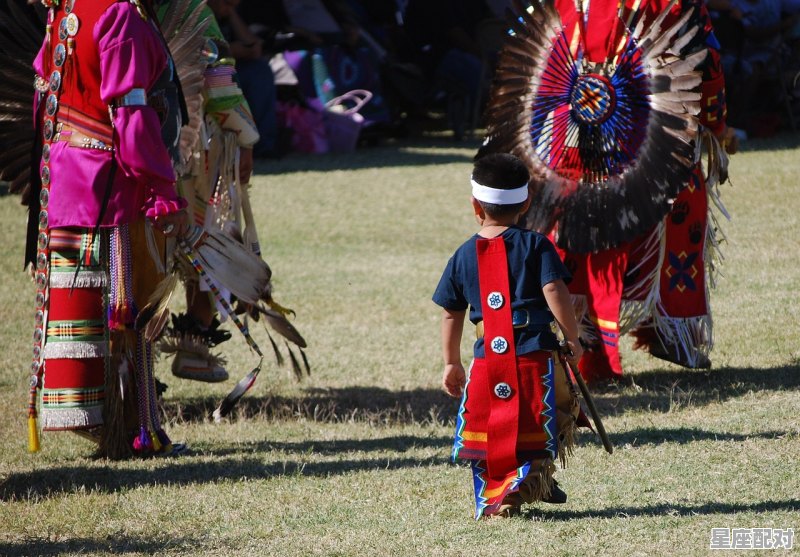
[[114, 443], [537, 484]]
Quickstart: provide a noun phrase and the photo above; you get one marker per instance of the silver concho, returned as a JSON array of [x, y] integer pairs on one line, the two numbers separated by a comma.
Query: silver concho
[[62, 30], [55, 81], [48, 130], [60, 55], [46, 152], [52, 105], [43, 239], [44, 198]]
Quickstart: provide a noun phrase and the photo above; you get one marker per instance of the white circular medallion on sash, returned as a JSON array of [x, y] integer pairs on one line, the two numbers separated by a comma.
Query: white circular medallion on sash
[[499, 345], [502, 390], [495, 300]]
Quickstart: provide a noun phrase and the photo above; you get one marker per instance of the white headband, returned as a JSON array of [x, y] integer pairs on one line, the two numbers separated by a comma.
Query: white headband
[[499, 197]]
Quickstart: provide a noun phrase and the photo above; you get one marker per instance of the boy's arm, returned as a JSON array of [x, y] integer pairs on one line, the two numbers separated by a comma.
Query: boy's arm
[[560, 303], [454, 378]]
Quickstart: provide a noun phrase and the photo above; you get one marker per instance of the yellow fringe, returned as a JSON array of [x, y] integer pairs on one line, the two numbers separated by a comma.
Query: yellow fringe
[[279, 308], [33, 435]]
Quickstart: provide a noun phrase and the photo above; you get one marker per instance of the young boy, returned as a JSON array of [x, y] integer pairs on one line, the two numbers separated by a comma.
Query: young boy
[[518, 409]]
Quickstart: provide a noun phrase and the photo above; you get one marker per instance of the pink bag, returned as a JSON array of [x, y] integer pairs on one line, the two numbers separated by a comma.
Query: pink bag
[[342, 122], [307, 125]]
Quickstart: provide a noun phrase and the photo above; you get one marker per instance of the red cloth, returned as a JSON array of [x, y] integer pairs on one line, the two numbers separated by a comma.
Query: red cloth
[[74, 373], [501, 368], [682, 277], [77, 304], [532, 427]]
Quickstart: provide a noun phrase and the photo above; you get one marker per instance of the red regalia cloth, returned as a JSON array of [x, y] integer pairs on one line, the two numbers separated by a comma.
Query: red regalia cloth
[[656, 284], [507, 421]]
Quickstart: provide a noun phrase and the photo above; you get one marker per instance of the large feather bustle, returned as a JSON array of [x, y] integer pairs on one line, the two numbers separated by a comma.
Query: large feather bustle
[[596, 210], [21, 33]]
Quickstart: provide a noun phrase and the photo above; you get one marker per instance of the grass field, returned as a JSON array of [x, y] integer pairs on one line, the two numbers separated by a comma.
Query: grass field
[[354, 460]]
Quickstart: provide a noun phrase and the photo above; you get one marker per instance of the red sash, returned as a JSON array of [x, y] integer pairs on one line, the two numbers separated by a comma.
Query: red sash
[[501, 359]]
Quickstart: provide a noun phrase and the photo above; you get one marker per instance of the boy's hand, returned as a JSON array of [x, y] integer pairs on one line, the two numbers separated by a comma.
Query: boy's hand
[[453, 379], [573, 351]]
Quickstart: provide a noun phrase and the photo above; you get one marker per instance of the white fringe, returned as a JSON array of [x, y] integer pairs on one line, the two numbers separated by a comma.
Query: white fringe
[[581, 306], [61, 419], [74, 350], [224, 207], [639, 300], [693, 336], [586, 329], [85, 279], [191, 344]]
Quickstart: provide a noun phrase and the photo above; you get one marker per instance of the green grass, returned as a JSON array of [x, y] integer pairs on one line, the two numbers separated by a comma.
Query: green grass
[[354, 460]]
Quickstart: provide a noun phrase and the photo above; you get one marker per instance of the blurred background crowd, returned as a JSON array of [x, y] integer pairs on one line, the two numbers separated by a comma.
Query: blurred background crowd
[[428, 65]]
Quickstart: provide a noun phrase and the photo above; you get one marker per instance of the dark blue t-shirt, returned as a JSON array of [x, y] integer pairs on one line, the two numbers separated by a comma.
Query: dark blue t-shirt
[[532, 263]]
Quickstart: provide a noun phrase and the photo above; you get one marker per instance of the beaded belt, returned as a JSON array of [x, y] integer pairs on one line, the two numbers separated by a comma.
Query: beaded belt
[[80, 139]]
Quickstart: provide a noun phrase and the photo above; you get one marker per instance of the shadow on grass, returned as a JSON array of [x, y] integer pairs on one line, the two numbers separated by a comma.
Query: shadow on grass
[[119, 545], [65, 480], [372, 405], [394, 155], [666, 510], [681, 436], [667, 390], [395, 443], [662, 390]]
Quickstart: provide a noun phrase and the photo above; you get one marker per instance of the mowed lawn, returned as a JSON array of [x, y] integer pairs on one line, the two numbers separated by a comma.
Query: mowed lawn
[[354, 460]]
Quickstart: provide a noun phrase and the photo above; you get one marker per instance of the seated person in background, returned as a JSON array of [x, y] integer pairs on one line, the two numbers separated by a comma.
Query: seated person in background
[[255, 75], [443, 40], [752, 34], [329, 53], [301, 24]]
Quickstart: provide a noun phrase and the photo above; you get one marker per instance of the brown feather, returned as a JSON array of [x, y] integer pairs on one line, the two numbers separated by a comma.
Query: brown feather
[[282, 326]]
